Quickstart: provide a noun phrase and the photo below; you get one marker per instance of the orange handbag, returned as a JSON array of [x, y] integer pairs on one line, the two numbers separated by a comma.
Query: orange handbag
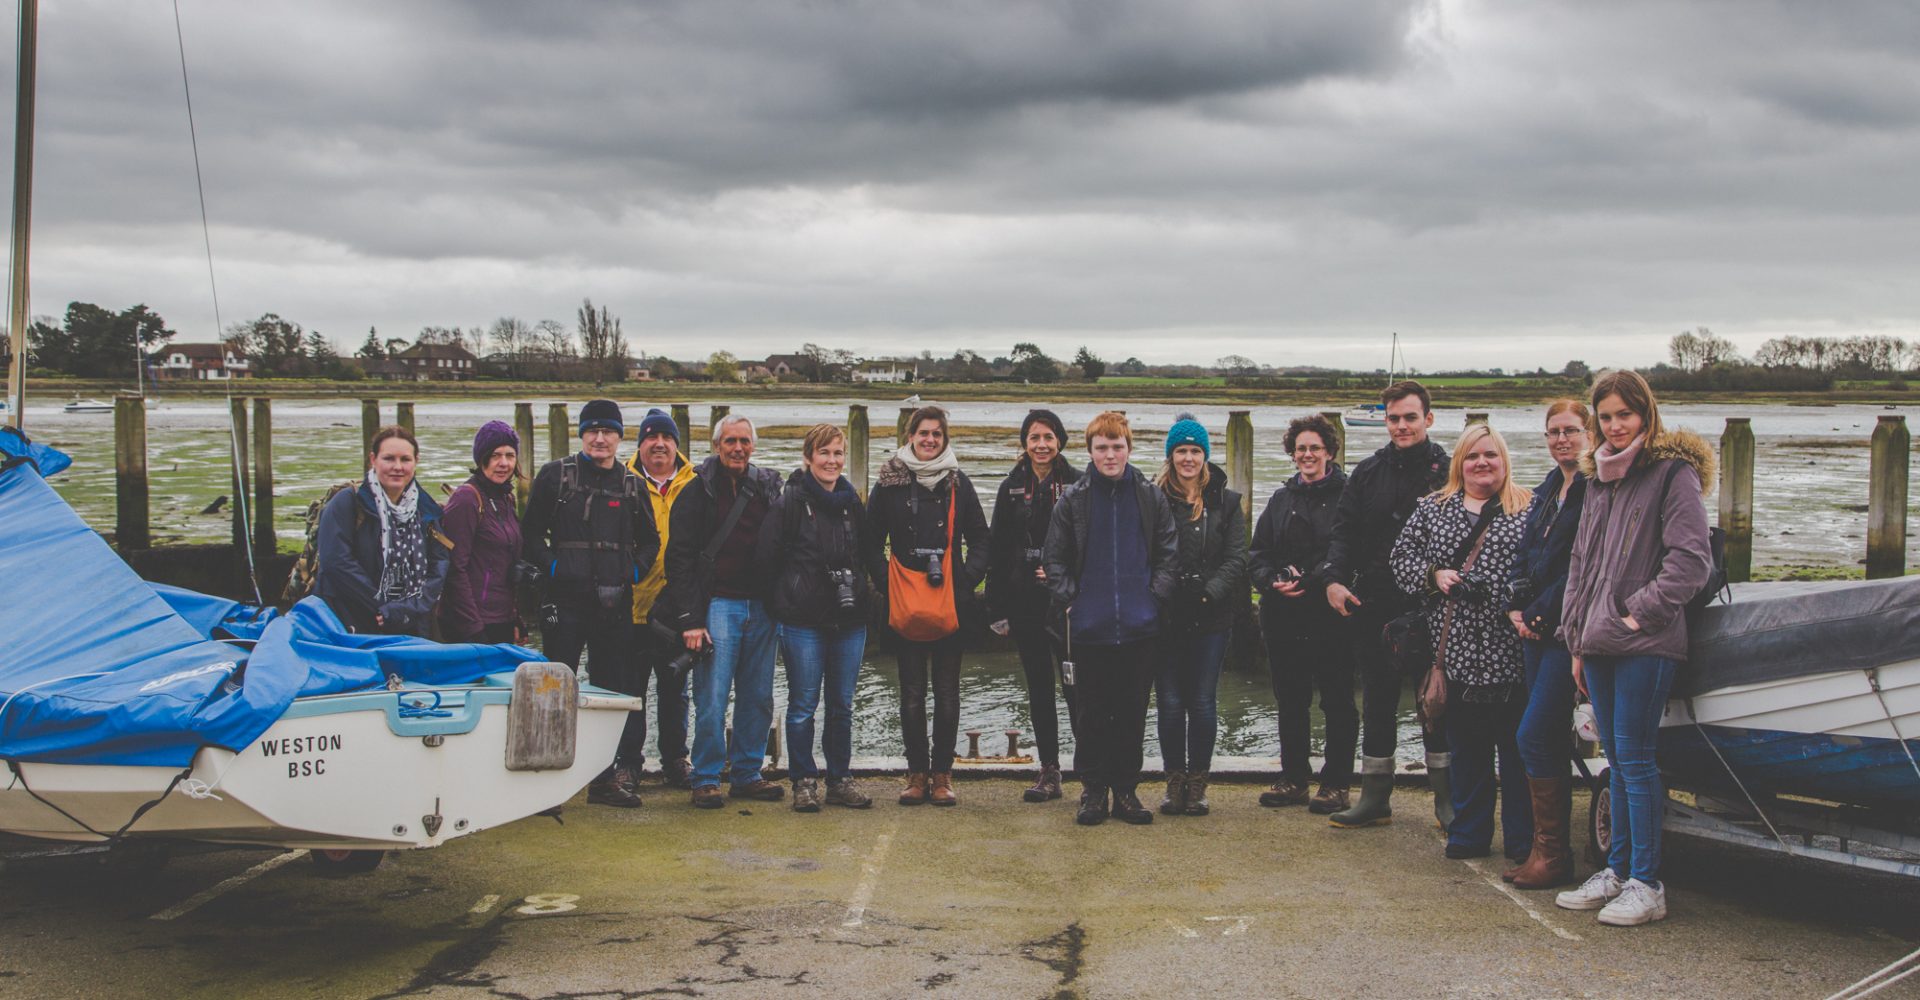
[[918, 610]]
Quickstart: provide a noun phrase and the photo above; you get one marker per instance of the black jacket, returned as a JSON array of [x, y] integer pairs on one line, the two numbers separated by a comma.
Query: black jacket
[[1295, 530], [1067, 542], [1545, 550], [1214, 548], [347, 544], [690, 527], [904, 516], [802, 540], [1021, 514], [1379, 496], [599, 534]]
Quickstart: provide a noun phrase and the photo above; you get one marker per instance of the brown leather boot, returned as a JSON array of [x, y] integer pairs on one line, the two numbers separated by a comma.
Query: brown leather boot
[[942, 791], [1047, 787], [916, 791], [1551, 862]]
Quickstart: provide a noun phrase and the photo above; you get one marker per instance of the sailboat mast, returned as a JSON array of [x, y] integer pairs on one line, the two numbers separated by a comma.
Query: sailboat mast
[[22, 211]]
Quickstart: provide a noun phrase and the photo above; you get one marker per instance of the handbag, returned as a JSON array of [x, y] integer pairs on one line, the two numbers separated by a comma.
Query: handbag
[[918, 610], [1433, 687]]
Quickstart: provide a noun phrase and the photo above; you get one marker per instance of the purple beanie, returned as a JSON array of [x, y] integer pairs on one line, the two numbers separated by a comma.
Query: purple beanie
[[491, 435]]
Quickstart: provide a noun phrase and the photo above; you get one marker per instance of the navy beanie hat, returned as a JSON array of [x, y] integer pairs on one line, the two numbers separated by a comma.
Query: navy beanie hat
[[491, 435], [659, 422], [1187, 430], [1048, 417], [601, 413]]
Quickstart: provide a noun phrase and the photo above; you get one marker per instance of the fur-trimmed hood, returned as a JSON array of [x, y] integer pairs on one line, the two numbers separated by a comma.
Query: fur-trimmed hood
[[1681, 444]]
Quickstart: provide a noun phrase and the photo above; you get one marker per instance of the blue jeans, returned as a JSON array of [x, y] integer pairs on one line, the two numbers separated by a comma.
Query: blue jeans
[[741, 662], [1475, 733], [813, 656], [1629, 695], [1187, 684], [1545, 743]]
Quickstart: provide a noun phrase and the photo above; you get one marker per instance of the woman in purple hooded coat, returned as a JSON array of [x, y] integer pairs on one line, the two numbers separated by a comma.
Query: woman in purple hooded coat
[[478, 604]]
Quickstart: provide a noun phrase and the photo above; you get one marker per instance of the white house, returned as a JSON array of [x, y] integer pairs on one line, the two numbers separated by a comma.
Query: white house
[[202, 361], [887, 370]]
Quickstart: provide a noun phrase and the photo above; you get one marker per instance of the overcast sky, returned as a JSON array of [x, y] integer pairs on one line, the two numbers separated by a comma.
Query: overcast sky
[[1507, 184]]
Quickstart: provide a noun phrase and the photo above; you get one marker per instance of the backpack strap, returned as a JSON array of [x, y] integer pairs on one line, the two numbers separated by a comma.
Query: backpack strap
[[742, 495]]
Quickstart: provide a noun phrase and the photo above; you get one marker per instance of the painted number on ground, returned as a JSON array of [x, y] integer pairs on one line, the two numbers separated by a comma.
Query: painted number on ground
[[546, 904]]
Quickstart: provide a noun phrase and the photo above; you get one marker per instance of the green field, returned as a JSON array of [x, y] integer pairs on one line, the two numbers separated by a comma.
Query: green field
[[1211, 380]]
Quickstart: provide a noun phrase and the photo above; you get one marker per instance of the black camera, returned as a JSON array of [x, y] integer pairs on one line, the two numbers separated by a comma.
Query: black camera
[[1192, 583], [1289, 574], [686, 658], [1033, 558], [1520, 592], [1469, 591], [843, 592], [936, 573], [523, 573]]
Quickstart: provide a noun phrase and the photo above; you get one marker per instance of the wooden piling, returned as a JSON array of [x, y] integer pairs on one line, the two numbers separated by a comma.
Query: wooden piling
[[1736, 497], [715, 414], [1337, 448], [856, 471], [523, 426], [239, 501], [1476, 417], [369, 426], [683, 419], [559, 433], [1887, 499], [900, 427], [132, 524], [403, 415], [265, 542], [1240, 461]]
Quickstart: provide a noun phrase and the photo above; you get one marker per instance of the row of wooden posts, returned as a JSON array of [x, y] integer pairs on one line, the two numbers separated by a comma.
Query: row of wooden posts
[[252, 470]]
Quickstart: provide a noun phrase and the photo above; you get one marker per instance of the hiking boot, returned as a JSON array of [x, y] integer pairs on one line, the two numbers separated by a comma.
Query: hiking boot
[[1331, 799], [1197, 795], [1285, 792], [843, 792], [940, 792], [1127, 809], [1093, 806], [708, 797], [763, 790], [677, 773], [1047, 788], [1175, 801], [1376, 793], [1551, 862], [1598, 890], [1638, 903], [614, 788], [806, 795], [916, 791], [1440, 779]]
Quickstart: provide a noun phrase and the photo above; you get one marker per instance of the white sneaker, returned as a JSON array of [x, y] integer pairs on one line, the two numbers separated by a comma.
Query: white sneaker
[[1638, 903], [1598, 890]]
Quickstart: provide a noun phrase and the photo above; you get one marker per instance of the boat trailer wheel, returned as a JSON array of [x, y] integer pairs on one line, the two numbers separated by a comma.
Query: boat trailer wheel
[[332, 862], [1600, 821]]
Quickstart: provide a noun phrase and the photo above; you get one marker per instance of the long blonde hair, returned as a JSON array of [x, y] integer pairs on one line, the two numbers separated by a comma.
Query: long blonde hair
[[1513, 499], [1169, 481]]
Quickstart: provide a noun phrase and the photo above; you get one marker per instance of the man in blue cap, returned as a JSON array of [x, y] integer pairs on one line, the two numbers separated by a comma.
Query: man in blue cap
[[589, 528]]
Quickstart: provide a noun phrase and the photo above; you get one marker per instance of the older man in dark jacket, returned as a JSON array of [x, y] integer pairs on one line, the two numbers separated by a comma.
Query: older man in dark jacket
[[716, 601], [1110, 563]]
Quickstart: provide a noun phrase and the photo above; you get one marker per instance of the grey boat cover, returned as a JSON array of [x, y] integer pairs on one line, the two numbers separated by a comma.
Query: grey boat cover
[[1772, 631]]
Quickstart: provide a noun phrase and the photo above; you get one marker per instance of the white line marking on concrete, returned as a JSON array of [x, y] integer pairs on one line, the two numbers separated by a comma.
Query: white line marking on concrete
[[1181, 929], [486, 903], [869, 878], [205, 896], [1239, 925], [1521, 901]]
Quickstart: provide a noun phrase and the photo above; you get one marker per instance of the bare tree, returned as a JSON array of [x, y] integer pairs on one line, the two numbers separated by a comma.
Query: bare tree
[[602, 344], [510, 335], [554, 344]]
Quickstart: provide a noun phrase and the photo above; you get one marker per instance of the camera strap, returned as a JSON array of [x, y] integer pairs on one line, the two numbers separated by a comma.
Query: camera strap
[[741, 497]]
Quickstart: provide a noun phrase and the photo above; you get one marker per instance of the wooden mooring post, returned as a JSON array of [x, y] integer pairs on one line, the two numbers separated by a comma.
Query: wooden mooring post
[[403, 415], [369, 426], [1887, 498], [900, 426], [1240, 461], [132, 523], [1476, 417], [240, 498], [523, 426], [1736, 497], [1337, 448], [265, 542], [559, 433], [715, 414], [856, 471], [683, 419]]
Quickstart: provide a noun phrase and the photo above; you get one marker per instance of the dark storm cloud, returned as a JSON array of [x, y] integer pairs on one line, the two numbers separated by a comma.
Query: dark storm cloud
[[1271, 179]]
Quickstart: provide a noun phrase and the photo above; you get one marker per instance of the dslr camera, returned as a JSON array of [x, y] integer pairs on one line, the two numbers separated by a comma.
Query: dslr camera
[[1521, 592], [936, 573], [1290, 574], [844, 594]]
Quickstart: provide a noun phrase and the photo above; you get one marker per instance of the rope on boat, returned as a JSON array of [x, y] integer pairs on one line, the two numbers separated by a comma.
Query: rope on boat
[[20, 778], [1861, 988], [1737, 783], [1873, 681]]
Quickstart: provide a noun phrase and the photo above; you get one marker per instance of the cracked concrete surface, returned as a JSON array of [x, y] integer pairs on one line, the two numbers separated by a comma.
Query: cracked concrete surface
[[993, 898]]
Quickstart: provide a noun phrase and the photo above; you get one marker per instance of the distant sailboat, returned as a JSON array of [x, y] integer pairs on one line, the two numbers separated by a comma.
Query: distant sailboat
[[1375, 414]]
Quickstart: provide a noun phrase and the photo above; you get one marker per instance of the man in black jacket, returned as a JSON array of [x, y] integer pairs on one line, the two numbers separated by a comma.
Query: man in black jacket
[[715, 600], [1379, 495], [589, 529]]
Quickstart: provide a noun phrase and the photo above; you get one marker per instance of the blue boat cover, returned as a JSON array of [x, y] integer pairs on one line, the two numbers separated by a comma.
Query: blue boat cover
[[96, 667]]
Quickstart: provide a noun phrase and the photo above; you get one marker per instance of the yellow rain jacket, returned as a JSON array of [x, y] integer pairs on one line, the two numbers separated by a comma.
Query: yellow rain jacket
[[649, 587]]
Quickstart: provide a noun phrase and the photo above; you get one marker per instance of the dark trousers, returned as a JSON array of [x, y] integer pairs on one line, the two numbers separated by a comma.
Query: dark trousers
[[1475, 733], [1299, 660], [1042, 668], [605, 636], [489, 634], [1382, 680], [1112, 727], [939, 662], [670, 693]]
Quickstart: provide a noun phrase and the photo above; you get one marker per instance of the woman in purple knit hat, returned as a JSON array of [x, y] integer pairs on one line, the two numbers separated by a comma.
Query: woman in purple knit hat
[[479, 518]]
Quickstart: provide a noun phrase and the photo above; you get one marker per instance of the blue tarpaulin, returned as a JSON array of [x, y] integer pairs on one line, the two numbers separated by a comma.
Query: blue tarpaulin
[[96, 667]]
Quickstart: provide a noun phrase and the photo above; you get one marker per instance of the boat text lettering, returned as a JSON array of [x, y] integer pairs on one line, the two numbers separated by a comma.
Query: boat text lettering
[[288, 746]]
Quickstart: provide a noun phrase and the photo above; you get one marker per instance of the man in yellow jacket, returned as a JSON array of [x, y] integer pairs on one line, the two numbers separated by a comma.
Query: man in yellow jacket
[[665, 472]]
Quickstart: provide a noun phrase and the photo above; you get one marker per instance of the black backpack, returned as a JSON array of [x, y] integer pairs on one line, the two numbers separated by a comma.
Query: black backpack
[[1716, 585]]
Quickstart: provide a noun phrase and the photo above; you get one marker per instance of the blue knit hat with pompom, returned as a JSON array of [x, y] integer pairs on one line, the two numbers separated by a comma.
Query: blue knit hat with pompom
[[1187, 430]]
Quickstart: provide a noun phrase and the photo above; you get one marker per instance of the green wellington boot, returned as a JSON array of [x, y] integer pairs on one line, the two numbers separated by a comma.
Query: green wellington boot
[[1376, 788], [1440, 779]]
